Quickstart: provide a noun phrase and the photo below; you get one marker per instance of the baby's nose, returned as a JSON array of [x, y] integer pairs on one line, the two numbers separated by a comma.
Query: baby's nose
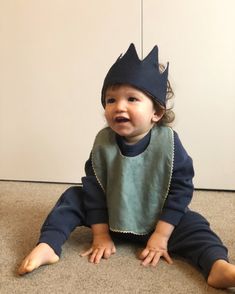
[[121, 105]]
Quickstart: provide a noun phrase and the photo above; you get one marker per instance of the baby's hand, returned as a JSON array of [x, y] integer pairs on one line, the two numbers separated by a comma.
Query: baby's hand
[[102, 247], [155, 249]]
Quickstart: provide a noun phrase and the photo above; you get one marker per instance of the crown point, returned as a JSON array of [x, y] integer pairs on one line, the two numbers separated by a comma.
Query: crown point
[[131, 52], [152, 57]]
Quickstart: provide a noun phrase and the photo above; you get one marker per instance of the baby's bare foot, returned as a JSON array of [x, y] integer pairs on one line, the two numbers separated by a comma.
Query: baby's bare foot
[[222, 275], [42, 254]]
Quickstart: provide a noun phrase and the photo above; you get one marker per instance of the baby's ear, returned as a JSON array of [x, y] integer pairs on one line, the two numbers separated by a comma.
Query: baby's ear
[[158, 114]]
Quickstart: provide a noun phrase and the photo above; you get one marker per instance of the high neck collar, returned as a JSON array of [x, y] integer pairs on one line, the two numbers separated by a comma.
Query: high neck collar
[[135, 149]]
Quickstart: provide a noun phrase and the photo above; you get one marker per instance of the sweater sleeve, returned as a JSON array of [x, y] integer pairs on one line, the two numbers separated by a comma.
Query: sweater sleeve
[[181, 187], [94, 200]]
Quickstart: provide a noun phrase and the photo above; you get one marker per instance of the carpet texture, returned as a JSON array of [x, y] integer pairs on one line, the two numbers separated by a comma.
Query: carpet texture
[[23, 208]]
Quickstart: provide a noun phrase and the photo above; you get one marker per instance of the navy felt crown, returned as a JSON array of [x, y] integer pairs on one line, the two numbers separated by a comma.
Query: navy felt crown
[[142, 74]]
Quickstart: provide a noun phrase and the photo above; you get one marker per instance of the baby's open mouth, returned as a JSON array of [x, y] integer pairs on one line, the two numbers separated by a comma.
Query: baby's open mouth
[[121, 119]]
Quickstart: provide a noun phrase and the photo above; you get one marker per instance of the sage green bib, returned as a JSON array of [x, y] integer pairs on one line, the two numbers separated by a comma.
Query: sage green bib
[[135, 187]]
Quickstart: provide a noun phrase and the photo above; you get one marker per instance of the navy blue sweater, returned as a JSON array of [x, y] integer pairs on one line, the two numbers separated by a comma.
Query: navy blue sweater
[[180, 192]]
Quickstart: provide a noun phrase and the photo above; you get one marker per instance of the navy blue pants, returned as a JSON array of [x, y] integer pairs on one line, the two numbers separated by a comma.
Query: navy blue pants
[[191, 239]]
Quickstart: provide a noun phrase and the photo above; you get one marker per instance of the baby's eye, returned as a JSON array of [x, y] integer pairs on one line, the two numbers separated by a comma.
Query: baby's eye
[[132, 99], [110, 100]]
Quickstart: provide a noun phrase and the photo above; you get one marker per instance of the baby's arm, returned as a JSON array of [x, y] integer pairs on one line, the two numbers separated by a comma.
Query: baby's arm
[[157, 245], [102, 245]]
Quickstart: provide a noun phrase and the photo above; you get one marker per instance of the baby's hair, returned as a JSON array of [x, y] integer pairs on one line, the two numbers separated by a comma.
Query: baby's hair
[[169, 115]]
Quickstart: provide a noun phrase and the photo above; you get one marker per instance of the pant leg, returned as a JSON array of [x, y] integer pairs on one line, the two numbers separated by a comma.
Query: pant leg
[[194, 240], [67, 214]]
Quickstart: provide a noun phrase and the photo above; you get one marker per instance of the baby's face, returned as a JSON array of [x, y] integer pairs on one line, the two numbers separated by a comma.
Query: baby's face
[[129, 112]]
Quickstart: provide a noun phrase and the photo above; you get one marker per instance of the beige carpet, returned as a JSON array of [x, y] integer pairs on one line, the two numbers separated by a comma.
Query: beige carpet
[[23, 207]]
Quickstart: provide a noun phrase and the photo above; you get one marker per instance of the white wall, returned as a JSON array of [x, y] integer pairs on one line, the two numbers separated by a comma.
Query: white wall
[[198, 39], [53, 58]]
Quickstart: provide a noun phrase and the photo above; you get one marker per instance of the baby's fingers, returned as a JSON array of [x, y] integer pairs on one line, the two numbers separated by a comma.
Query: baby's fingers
[[167, 258], [156, 259], [149, 258], [162, 254], [96, 255], [109, 252], [86, 253], [144, 253]]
